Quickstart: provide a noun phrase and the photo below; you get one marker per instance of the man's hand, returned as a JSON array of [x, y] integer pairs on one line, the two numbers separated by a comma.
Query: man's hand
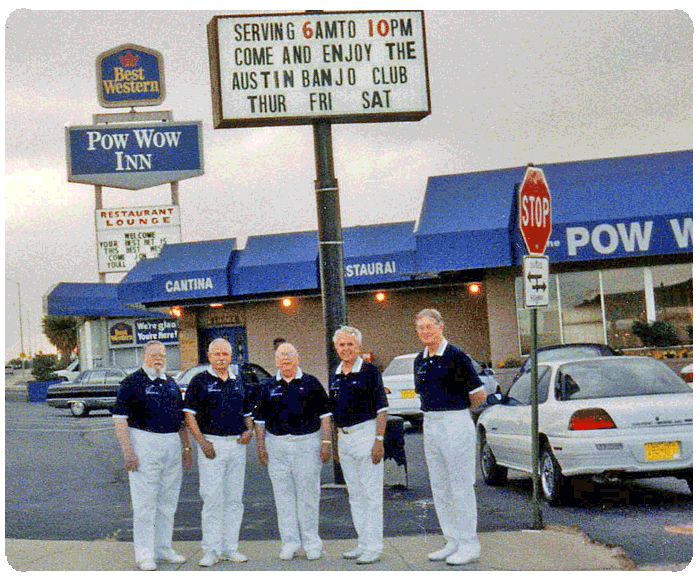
[[245, 437], [131, 461], [208, 449], [377, 452]]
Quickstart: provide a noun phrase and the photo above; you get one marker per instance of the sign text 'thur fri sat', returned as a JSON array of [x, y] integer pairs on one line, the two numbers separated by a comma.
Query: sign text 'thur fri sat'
[[284, 69]]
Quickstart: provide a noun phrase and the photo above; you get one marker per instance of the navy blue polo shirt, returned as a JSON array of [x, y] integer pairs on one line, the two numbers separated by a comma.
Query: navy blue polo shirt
[[218, 406], [358, 396], [444, 380], [293, 408], [149, 404]]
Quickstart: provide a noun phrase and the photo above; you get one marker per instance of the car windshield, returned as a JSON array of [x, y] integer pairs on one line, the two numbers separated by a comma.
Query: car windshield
[[568, 353], [402, 366], [616, 378]]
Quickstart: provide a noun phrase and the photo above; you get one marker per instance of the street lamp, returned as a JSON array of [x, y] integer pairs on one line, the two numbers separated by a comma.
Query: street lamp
[[21, 329]]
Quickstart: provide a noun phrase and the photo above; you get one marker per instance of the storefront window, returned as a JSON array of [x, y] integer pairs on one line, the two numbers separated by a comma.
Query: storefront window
[[625, 302], [673, 295], [578, 300], [581, 308]]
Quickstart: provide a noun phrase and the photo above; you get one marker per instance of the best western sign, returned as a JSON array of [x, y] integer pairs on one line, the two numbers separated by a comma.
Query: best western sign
[[283, 69], [130, 75], [134, 157]]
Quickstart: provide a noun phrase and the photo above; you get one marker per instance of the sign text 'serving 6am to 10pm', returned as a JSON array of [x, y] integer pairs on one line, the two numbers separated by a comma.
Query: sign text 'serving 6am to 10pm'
[[343, 67]]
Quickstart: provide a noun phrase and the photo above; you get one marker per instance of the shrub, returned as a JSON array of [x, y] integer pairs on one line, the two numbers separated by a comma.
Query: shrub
[[656, 334]]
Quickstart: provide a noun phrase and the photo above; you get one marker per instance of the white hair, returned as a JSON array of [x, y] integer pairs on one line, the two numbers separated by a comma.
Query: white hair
[[350, 330], [431, 313]]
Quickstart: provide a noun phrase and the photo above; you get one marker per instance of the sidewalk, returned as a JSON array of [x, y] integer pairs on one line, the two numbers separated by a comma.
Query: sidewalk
[[552, 549]]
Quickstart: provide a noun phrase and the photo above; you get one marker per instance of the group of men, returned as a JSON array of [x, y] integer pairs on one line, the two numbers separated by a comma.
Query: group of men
[[297, 426]]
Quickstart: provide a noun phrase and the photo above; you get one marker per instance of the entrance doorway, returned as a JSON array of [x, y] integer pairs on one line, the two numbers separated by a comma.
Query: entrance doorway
[[236, 335]]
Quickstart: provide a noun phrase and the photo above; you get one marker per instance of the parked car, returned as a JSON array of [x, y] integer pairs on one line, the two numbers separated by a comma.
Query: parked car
[[609, 418], [93, 389], [71, 372], [687, 374], [252, 374], [568, 351], [401, 389]]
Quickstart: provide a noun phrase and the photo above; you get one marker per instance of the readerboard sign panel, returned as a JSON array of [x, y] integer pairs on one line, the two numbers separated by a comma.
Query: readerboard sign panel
[[297, 68], [134, 156], [126, 235]]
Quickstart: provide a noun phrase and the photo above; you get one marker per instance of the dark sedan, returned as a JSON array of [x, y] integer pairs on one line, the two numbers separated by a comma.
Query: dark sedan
[[94, 389], [253, 375]]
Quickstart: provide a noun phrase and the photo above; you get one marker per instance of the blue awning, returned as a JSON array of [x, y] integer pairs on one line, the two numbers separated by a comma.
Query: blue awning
[[282, 262], [464, 222], [136, 285], [606, 208], [88, 300], [375, 254], [195, 270], [621, 207]]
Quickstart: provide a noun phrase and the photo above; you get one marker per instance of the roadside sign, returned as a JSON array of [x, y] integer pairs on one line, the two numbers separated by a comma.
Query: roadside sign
[[126, 235], [134, 156], [536, 281], [535, 211], [297, 68], [130, 75]]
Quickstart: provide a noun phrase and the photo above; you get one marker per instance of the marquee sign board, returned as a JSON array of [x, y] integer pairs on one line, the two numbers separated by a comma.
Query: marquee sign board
[[298, 68], [134, 156], [126, 235], [130, 75]]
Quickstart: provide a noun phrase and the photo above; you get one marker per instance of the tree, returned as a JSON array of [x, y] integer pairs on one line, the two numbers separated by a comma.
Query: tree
[[62, 332]]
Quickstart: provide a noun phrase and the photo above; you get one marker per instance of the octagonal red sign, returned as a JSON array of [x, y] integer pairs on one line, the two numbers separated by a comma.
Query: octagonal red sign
[[535, 211]]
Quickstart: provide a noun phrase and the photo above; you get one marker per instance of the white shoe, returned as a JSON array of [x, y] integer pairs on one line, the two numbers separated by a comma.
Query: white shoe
[[234, 556], [352, 554], [463, 555], [209, 559], [173, 557], [368, 558], [313, 555], [444, 553], [147, 565], [287, 553]]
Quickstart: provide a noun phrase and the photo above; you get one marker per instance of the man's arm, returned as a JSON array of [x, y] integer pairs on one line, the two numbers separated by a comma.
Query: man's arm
[[263, 457], [193, 426], [326, 443], [121, 429], [186, 448], [378, 446]]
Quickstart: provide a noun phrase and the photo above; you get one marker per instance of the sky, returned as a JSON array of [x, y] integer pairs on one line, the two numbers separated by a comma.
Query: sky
[[507, 88]]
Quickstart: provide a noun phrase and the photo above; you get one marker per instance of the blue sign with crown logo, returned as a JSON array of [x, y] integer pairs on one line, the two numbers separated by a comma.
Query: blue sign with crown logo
[[130, 75]]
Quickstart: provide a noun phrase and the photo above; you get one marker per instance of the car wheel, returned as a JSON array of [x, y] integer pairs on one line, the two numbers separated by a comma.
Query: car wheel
[[552, 483], [689, 480], [78, 409], [494, 475]]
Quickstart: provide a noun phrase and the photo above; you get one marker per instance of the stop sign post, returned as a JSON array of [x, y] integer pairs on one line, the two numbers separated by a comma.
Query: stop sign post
[[535, 211], [535, 222]]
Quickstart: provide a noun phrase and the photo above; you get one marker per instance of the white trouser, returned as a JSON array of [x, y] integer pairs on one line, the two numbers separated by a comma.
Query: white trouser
[[155, 489], [450, 442], [294, 467], [365, 482], [221, 488]]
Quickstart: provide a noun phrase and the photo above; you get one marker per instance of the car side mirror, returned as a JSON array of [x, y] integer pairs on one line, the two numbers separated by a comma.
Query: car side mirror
[[489, 372], [494, 398]]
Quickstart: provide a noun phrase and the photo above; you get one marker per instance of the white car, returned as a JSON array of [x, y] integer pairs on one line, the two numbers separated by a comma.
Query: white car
[[608, 418], [401, 389], [687, 374]]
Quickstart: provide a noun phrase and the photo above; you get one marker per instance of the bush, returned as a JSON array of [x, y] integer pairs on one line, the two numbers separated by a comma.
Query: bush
[[44, 366], [656, 334]]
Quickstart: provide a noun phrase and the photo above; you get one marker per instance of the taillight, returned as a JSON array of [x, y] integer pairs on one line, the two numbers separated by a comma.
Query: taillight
[[591, 419], [687, 377], [387, 390]]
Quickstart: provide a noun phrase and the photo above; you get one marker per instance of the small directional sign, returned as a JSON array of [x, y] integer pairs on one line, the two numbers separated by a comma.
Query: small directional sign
[[536, 281]]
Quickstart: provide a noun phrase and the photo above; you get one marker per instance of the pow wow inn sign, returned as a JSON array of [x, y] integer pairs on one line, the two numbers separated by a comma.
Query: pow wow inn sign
[[134, 156]]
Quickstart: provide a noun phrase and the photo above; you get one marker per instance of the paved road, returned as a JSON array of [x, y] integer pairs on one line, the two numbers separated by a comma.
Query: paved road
[[64, 480]]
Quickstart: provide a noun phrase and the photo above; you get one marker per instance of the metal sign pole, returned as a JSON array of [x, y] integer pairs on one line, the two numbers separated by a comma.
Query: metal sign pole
[[330, 243], [535, 430]]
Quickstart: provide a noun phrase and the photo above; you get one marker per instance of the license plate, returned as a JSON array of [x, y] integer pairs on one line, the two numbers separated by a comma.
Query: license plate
[[408, 393], [661, 450]]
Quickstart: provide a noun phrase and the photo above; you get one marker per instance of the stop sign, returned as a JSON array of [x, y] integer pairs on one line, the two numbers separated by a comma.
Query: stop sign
[[535, 211]]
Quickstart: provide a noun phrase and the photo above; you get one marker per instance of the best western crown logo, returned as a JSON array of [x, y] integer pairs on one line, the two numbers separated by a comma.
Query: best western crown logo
[[130, 75]]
